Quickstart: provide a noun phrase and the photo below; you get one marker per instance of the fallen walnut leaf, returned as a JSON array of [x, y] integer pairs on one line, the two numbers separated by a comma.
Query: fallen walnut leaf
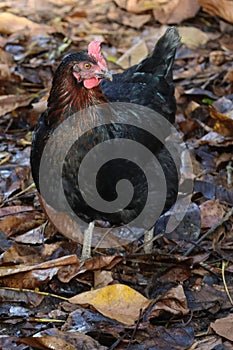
[[117, 301]]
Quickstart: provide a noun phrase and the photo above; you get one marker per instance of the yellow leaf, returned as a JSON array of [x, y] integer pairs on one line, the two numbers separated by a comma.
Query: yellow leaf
[[117, 301]]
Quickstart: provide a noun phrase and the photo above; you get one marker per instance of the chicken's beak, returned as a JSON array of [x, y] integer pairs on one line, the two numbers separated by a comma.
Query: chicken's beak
[[105, 75]]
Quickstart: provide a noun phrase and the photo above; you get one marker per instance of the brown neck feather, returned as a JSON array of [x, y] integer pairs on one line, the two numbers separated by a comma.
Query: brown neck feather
[[68, 97]]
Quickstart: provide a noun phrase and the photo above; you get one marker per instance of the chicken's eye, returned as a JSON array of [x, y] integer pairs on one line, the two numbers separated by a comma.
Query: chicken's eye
[[87, 66]]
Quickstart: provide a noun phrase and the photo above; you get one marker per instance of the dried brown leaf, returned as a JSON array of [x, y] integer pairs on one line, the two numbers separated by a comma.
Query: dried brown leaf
[[193, 37], [5, 72], [34, 275], [34, 236], [211, 213], [102, 279], [221, 8], [175, 11], [9, 103], [69, 340], [66, 260], [134, 55], [15, 209], [18, 23], [224, 327], [20, 222], [107, 262], [224, 122], [137, 6], [31, 279], [127, 19], [174, 301], [48, 342]]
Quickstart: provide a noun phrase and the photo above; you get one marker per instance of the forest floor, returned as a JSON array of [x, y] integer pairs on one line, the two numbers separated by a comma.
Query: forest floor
[[179, 296]]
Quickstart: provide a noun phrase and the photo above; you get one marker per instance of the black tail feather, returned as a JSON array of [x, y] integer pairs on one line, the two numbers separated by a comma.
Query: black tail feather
[[161, 60]]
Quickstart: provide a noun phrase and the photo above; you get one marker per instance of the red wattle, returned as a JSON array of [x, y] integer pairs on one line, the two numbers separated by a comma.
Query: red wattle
[[91, 83]]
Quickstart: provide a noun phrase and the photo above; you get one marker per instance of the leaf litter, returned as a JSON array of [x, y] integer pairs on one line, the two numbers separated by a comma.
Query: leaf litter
[[118, 299]]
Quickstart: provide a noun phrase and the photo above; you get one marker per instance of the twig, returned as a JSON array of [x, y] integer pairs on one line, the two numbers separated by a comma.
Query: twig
[[155, 238], [224, 264], [30, 187], [135, 330], [229, 170], [35, 291], [204, 126], [211, 230], [118, 341], [45, 320]]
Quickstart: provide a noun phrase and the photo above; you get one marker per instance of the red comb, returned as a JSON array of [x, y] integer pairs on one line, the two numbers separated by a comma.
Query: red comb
[[94, 51]]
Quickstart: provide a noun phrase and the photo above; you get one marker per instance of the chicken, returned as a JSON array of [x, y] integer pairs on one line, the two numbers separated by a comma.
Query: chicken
[[82, 82]]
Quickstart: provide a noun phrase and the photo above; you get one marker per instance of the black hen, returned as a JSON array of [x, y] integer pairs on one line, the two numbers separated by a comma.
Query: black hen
[[82, 81]]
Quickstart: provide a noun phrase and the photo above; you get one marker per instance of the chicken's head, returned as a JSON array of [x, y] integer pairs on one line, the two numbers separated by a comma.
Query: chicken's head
[[92, 68]]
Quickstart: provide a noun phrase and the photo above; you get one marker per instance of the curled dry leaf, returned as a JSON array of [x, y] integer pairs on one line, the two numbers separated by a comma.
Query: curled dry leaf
[[221, 8], [224, 122], [33, 276], [66, 260], [173, 301]]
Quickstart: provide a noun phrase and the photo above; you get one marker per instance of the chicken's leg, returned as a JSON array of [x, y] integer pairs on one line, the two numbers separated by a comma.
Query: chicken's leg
[[87, 240]]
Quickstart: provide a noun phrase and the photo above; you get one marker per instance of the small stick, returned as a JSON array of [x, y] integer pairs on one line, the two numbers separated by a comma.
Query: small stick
[[224, 264]]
